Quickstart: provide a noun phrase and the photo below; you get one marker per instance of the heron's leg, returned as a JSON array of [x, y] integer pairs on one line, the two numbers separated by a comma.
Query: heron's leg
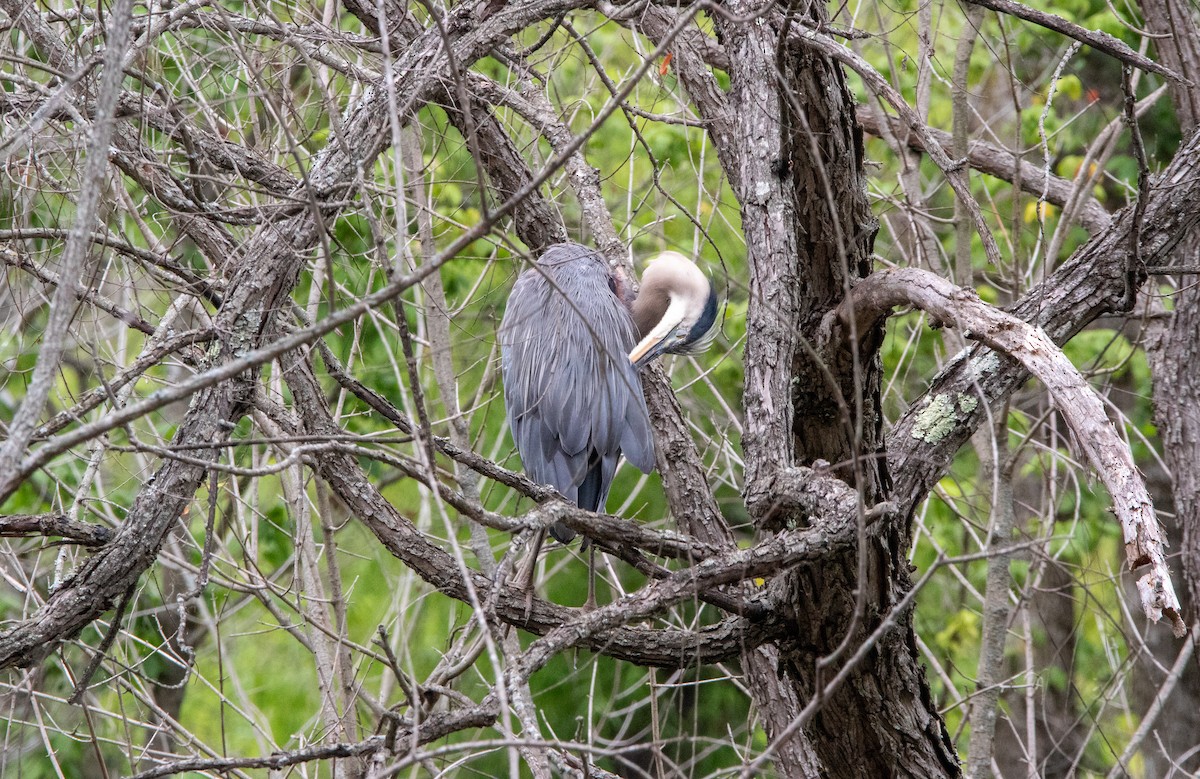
[[528, 570], [590, 605]]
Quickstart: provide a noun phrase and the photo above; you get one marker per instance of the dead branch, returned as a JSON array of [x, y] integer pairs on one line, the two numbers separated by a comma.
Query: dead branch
[[874, 297], [1088, 285]]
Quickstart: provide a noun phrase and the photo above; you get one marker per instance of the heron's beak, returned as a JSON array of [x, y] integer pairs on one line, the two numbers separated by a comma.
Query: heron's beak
[[661, 338], [650, 347]]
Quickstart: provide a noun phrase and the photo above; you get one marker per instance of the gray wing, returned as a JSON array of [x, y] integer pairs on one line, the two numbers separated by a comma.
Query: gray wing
[[573, 399]]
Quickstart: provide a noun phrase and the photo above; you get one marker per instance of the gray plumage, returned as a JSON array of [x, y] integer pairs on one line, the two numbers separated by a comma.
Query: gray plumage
[[573, 398], [570, 350]]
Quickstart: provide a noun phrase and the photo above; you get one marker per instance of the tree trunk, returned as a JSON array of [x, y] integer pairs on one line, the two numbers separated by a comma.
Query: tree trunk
[[809, 232], [1174, 354]]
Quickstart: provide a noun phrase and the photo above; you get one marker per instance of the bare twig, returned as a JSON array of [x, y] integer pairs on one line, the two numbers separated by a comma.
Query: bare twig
[[114, 629], [998, 162], [879, 85], [273, 761], [1150, 718]]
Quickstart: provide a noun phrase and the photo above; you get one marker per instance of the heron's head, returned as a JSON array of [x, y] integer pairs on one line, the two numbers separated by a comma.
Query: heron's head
[[675, 310]]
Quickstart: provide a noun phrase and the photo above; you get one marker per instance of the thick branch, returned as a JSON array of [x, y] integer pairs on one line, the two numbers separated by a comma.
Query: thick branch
[[833, 536], [85, 533], [1075, 399], [1090, 284]]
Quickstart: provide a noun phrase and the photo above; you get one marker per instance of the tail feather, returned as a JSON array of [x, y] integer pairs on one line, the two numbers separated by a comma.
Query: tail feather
[[591, 490], [591, 495], [562, 534]]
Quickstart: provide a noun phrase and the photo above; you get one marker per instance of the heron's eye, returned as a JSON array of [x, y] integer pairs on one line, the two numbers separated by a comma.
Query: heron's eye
[[612, 285]]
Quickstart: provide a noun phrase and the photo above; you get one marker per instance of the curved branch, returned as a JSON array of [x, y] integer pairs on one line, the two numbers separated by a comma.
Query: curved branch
[[1089, 285], [768, 558], [874, 297]]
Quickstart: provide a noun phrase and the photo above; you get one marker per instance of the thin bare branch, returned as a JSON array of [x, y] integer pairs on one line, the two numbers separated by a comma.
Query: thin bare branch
[[1002, 164], [62, 304], [1100, 41]]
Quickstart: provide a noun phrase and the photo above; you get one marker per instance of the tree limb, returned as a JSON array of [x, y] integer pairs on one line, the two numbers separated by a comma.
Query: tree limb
[[1100, 41], [1080, 406], [85, 533], [1088, 285]]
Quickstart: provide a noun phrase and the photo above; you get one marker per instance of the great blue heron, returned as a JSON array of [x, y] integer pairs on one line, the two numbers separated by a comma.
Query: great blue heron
[[570, 347]]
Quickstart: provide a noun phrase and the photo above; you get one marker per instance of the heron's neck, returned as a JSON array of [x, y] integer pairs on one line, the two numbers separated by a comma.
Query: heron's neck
[[649, 309]]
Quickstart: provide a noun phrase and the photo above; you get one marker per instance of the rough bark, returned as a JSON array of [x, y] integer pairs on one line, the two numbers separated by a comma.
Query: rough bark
[[1175, 353], [798, 175], [1173, 350], [1076, 401], [1088, 285], [788, 139]]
